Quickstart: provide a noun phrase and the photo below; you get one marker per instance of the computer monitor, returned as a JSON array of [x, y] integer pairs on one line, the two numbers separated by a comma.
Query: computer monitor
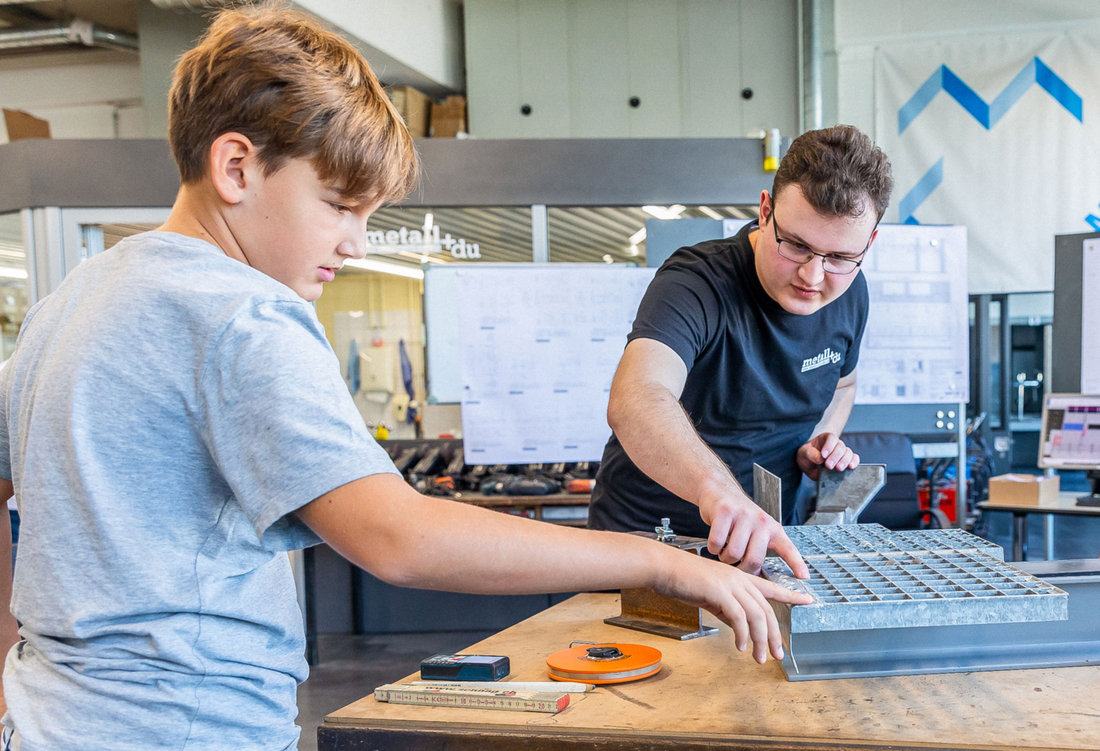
[[1071, 438]]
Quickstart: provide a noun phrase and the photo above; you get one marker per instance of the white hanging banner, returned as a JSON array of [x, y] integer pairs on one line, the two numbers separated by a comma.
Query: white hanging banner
[[1000, 135]]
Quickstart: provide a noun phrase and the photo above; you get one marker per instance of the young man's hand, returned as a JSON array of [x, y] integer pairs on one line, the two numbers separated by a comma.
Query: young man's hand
[[825, 450], [738, 599], [740, 531]]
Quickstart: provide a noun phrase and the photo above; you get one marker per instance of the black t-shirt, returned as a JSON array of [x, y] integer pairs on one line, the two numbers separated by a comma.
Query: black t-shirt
[[759, 378]]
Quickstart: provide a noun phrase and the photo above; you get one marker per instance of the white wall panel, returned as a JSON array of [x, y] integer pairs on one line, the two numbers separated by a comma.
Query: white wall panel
[[653, 48], [492, 49], [543, 50], [711, 74], [580, 62], [769, 49], [598, 69]]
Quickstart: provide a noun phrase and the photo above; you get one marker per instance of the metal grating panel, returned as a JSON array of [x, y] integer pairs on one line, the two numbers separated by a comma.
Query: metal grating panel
[[861, 539], [866, 577]]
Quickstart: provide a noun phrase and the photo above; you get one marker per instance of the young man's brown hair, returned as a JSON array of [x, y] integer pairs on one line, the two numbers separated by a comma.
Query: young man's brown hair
[[838, 170], [296, 90]]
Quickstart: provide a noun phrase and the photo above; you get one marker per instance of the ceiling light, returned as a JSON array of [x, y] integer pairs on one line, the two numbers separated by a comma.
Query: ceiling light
[[9, 273], [382, 267], [638, 237], [632, 250], [429, 220], [661, 212], [608, 259], [710, 212]]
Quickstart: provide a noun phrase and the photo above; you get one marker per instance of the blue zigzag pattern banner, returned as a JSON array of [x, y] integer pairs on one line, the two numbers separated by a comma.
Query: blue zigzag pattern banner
[[994, 133], [944, 79], [1036, 72]]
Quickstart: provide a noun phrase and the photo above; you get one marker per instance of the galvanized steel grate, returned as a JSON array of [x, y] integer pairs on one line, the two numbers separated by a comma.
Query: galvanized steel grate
[[861, 539], [865, 577]]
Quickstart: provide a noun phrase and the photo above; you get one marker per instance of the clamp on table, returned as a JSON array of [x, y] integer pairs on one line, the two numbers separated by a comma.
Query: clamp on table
[[645, 610]]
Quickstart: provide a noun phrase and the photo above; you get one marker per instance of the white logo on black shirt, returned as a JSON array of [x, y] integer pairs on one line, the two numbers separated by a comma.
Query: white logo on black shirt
[[827, 357]]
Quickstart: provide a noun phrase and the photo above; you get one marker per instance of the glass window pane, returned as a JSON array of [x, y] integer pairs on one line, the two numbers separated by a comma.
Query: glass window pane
[[418, 235], [616, 234], [113, 233], [14, 284]]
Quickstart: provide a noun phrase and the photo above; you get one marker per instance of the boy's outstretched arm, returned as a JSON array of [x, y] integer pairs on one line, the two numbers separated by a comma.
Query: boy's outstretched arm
[[9, 629], [384, 526]]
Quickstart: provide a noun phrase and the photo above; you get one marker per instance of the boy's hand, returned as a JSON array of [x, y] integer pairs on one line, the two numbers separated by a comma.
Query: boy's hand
[[738, 599]]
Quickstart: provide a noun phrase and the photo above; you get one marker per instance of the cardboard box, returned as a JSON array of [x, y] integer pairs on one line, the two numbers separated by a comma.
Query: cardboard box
[[1024, 490], [414, 107], [449, 117], [22, 125]]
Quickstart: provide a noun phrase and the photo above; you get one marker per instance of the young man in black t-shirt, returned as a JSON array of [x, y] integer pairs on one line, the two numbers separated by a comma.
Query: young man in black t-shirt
[[744, 351]]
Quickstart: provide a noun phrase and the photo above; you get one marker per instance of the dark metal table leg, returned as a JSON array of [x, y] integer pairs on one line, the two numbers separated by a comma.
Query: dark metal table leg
[[308, 570], [1019, 536]]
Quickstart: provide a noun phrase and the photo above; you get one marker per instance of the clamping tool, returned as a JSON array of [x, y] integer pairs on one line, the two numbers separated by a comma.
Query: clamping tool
[[645, 610]]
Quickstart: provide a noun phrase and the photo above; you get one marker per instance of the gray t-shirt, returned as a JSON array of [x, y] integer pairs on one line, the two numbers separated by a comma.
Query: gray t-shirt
[[163, 414]]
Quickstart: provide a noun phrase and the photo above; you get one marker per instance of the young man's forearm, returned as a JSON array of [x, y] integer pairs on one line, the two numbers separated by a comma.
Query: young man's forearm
[[839, 410], [659, 438]]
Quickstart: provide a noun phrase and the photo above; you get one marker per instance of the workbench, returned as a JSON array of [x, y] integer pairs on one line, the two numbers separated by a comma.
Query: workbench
[[710, 696]]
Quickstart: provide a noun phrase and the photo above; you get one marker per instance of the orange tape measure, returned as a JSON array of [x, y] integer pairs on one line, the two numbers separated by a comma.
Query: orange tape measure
[[603, 663]]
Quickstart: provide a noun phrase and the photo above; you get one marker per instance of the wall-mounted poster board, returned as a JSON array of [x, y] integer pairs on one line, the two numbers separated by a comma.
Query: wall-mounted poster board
[[916, 347], [539, 345]]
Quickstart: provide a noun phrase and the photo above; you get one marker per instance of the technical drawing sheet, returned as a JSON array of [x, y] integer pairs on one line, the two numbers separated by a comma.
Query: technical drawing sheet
[[538, 350], [1090, 318], [916, 346]]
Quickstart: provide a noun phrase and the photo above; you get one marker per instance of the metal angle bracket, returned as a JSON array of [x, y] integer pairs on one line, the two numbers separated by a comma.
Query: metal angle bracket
[[842, 496], [646, 611], [767, 492]]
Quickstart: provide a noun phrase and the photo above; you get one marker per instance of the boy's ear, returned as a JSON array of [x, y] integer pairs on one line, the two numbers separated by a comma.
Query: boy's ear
[[232, 166]]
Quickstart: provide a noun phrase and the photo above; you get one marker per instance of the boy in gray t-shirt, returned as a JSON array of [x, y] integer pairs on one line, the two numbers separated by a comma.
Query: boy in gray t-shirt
[[173, 420]]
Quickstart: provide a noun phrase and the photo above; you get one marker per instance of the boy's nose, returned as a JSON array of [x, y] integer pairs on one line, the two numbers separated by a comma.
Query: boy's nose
[[353, 249]]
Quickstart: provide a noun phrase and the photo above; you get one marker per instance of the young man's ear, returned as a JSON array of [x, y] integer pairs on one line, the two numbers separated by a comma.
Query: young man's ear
[[765, 206], [232, 166]]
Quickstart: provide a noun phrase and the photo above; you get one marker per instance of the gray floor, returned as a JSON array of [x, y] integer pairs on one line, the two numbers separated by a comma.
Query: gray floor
[[352, 666]]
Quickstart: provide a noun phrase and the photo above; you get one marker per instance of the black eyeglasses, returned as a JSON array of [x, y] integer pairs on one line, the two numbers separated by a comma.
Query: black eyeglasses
[[833, 264]]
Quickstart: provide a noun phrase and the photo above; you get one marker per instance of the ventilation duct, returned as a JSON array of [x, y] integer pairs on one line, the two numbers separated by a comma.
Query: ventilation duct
[[75, 32]]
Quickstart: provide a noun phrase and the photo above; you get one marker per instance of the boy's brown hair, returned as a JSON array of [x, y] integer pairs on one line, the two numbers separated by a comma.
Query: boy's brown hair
[[838, 169], [296, 90]]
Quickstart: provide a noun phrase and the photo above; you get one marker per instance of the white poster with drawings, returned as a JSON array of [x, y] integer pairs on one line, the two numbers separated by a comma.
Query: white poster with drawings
[[1090, 318], [917, 342], [539, 348]]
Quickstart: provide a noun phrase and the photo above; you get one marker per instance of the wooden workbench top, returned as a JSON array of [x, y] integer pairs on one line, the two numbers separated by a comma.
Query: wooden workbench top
[[710, 695]]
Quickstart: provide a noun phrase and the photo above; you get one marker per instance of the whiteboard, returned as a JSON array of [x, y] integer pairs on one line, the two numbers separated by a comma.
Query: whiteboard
[[539, 348], [1090, 318], [441, 325], [916, 348]]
